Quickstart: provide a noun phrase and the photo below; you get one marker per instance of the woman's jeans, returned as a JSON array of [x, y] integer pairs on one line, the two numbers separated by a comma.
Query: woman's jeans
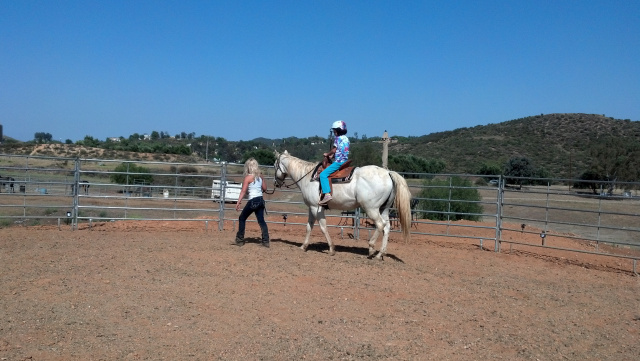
[[324, 176], [253, 205]]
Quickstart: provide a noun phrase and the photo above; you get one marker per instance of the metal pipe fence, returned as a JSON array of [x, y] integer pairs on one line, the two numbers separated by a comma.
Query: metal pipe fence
[[69, 191]]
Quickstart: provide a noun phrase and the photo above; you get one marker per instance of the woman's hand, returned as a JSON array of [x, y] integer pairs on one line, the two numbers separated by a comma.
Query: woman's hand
[[238, 205]]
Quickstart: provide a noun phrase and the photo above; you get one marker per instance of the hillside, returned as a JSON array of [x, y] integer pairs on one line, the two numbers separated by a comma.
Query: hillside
[[552, 141], [562, 144], [81, 151]]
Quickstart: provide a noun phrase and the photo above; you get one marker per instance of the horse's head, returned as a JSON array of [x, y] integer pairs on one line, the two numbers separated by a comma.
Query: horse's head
[[280, 169]]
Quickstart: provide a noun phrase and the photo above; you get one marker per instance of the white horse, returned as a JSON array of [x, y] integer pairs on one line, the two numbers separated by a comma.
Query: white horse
[[373, 188]]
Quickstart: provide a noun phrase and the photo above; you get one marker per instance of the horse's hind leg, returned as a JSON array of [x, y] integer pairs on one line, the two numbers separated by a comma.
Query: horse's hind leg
[[372, 242], [385, 234], [380, 227], [385, 240]]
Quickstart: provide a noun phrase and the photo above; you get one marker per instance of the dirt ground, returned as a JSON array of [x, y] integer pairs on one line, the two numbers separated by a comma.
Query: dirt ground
[[175, 291]]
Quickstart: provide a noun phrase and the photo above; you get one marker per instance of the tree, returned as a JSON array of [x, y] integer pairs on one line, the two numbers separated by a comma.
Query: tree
[[519, 167], [410, 163], [591, 179], [616, 159], [489, 168], [263, 156], [90, 141], [181, 149], [155, 135], [42, 137], [225, 150], [365, 154]]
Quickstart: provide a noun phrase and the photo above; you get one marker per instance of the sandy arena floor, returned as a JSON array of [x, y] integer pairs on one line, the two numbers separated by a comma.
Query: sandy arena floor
[[173, 291]]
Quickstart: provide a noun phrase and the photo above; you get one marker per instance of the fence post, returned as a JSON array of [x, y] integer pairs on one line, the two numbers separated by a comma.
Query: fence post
[[76, 183], [499, 200], [599, 222], [546, 209], [223, 184], [356, 223], [449, 204]]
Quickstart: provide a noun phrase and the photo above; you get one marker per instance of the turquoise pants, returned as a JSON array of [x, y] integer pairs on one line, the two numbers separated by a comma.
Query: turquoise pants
[[324, 176]]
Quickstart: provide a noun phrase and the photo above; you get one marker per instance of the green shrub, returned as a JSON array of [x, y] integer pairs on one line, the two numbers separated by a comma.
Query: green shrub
[[131, 173], [188, 169], [446, 199]]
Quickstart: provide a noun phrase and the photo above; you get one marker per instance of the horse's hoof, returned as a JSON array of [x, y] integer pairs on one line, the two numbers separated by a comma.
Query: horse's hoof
[[303, 248], [332, 253], [372, 251]]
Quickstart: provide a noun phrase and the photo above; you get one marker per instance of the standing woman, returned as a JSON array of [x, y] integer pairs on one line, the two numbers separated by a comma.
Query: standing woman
[[252, 183]]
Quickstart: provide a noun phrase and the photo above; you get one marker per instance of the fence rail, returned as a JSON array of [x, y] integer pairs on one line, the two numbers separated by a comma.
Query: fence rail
[[37, 190]]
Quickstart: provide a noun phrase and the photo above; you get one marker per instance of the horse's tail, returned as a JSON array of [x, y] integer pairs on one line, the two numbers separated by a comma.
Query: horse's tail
[[402, 204]]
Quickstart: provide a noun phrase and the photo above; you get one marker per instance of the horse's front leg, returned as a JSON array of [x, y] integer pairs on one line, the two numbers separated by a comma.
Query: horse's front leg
[[323, 226], [310, 221]]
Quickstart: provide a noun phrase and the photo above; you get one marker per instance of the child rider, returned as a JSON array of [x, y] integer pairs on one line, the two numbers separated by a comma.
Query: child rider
[[340, 152]]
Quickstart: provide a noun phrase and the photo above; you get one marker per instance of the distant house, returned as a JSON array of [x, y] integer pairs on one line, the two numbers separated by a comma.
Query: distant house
[[146, 136], [114, 139]]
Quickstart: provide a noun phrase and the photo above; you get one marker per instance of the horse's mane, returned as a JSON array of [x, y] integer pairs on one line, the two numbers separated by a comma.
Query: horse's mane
[[301, 164]]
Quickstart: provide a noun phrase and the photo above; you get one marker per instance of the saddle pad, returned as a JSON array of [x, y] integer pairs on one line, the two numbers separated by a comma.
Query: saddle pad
[[343, 175]]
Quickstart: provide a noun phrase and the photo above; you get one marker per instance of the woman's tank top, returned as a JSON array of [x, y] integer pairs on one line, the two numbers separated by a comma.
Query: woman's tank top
[[255, 188]]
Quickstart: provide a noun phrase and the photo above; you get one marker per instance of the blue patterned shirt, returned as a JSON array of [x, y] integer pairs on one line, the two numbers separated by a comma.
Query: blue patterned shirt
[[342, 148]]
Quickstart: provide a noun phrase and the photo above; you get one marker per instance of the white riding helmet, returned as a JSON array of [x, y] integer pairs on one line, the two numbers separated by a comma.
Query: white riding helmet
[[339, 124]]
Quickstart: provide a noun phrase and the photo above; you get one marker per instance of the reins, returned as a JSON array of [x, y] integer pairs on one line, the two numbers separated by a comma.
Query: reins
[[295, 182]]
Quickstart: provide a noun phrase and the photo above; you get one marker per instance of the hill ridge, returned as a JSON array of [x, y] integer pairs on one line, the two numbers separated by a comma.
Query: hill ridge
[[561, 143]]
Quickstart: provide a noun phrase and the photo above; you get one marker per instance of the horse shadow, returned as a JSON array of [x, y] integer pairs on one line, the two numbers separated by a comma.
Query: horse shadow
[[323, 247]]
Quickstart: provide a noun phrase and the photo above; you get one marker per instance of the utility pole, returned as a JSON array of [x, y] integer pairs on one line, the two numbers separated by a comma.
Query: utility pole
[[385, 148], [206, 156]]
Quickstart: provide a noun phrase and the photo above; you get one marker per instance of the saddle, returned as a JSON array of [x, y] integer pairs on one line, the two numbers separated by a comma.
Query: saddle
[[342, 175]]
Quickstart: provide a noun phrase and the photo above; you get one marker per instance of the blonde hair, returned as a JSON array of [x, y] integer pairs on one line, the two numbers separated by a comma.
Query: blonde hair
[[252, 167]]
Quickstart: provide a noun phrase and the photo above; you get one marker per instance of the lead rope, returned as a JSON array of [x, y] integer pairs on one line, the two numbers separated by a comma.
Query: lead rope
[[295, 182]]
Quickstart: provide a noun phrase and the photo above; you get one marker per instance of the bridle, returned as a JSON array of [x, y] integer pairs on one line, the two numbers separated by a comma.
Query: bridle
[[280, 182]]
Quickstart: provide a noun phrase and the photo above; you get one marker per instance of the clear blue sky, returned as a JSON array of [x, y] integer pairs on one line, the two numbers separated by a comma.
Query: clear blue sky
[[246, 69]]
